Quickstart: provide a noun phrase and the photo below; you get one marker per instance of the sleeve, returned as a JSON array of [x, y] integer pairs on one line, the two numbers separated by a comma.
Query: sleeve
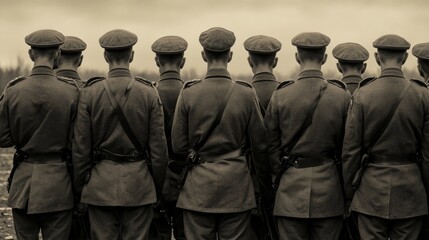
[[5, 134], [424, 148], [274, 135], [81, 144], [257, 135], [157, 143], [352, 145], [179, 132]]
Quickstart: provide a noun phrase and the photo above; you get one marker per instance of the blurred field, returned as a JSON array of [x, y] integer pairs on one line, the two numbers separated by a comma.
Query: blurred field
[[6, 224]]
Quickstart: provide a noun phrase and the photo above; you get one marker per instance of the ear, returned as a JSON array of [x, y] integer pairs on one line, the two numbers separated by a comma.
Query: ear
[[339, 68], [182, 63], [204, 56], [363, 68], [230, 56], [80, 61], [131, 57], [324, 58], [405, 58], [276, 60], [249, 60], [105, 57], [30, 53], [297, 58], [157, 61], [377, 58]]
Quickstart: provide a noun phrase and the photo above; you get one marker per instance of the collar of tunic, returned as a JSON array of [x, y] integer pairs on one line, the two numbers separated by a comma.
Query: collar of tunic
[[352, 79], [218, 73], [119, 72], [68, 73], [392, 72], [264, 76], [310, 74], [42, 70], [170, 75]]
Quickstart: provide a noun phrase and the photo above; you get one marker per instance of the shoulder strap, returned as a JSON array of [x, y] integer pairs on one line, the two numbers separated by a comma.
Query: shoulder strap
[[121, 116], [219, 116], [380, 130], [307, 121]]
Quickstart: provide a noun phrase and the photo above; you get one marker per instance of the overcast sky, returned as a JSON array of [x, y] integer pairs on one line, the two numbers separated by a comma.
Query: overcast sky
[[359, 21]]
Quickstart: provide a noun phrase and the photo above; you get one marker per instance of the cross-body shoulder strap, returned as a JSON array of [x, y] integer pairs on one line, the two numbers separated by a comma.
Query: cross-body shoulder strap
[[219, 116]]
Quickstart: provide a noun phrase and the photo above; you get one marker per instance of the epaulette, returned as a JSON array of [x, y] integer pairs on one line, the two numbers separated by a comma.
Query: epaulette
[[285, 84], [244, 83], [15, 81], [366, 81], [93, 80], [191, 83], [144, 81], [338, 83], [419, 82], [68, 80]]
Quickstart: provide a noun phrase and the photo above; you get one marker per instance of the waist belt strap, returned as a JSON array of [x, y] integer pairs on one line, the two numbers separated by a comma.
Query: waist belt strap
[[213, 158], [394, 160], [122, 158], [310, 162], [43, 158]]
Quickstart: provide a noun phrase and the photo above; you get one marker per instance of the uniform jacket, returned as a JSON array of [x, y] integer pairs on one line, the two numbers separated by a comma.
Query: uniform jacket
[[36, 115], [113, 183], [221, 185], [67, 74], [264, 83], [352, 82], [386, 190], [313, 192], [169, 87]]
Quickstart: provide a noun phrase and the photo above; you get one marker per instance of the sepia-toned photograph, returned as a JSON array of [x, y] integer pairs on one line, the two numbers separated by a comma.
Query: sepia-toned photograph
[[214, 120]]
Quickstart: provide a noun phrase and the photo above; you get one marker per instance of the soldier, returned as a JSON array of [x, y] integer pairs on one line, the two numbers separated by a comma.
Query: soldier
[[36, 115], [118, 143], [169, 58], [70, 59], [421, 51], [262, 59], [305, 121], [351, 63], [386, 138], [212, 118]]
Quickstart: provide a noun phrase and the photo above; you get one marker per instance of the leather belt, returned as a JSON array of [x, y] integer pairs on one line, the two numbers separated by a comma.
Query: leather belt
[[122, 158], [212, 158], [394, 159], [43, 158], [310, 162]]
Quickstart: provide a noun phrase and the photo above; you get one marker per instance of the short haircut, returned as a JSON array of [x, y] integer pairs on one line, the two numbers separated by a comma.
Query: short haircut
[[119, 55], [173, 59], [45, 52], [311, 54], [216, 56], [351, 65], [259, 59], [424, 65], [71, 56], [385, 54]]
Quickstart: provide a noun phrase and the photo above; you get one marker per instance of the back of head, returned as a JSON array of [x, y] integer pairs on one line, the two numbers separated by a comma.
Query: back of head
[[217, 43], [311, 47], [391, 49], [118, 45], [170, 50], [44, 44], [262, 49], [421, 51], [118, 56], [315, 55]]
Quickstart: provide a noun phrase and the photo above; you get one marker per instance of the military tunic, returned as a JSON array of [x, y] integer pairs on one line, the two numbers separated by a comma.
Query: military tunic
[[352, 82], [113, 183], [36, 116], [222, 184], [71, 75], [264, 83], [388, 190], [313, 192]]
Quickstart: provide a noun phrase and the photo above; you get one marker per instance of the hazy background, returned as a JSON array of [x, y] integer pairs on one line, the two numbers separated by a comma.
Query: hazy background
[[343, 20]]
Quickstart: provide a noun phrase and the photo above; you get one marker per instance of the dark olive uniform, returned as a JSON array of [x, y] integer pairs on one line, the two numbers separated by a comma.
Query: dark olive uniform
[[218, 194], [391, 197], [264, 83], [308, 200], [119, 192], [352, 82], [169, 87], [72, 75], [36, 116]]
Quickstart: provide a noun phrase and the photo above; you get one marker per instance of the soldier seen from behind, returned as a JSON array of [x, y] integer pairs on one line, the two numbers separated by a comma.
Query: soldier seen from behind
[[71, 59], [119, 148], [36, 117]]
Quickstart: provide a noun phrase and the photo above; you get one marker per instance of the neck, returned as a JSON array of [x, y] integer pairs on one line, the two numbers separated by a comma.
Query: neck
[[67, 66], [44, 62], [217, 65], [305, 66], [390, 64], [351, 73], [262, 68], [119, 65], [169, 68]]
